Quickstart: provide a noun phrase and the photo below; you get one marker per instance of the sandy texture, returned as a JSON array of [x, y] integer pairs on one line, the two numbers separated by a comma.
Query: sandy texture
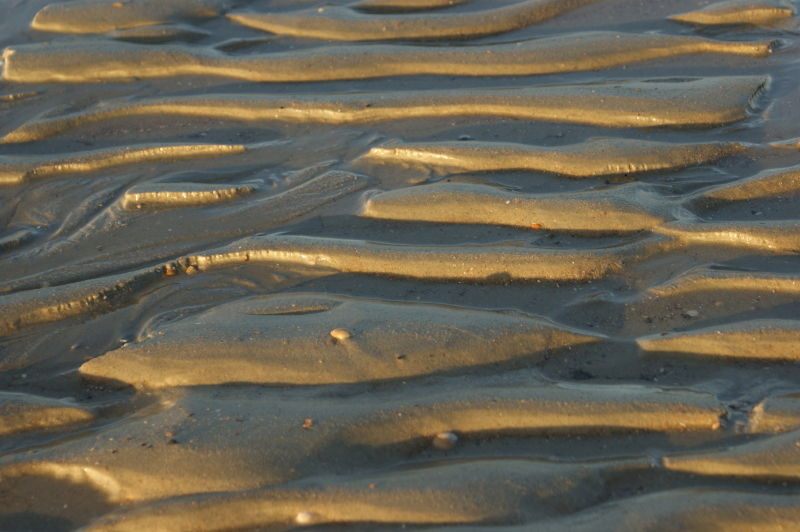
[[449, 265]]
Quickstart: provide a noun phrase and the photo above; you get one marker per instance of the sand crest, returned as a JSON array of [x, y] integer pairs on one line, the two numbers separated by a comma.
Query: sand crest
[[285, 340], [754, 340], [694, 102], [92, 62], [340, 23], [740, 12]]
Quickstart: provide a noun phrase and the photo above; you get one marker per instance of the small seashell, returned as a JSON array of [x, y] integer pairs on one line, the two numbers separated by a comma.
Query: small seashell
[[191, 270], [304, 518], [341, 334], [444, 441]]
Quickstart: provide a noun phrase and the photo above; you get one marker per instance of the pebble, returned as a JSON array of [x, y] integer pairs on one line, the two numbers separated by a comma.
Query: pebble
[[444, 441], [693, 313], [191, 270], [341, 334], [304, 518]]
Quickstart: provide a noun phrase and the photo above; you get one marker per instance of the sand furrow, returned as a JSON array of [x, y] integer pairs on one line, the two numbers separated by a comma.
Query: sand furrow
[[692, 102], [171, 195], [627, 208], [153, 35], [340, 23], [57, 303], [595, 158], [286, 340], [24, 413], [757, 340], [100, 16], [488, 263], [90, 61], [756, 12], [18, 169]]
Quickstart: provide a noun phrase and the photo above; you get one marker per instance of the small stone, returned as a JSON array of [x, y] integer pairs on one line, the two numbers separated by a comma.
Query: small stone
[[444, 441], [304, 518], [693, 313], [308, 423], [172, 442], [169, 434], [341, 334], [191, 270]]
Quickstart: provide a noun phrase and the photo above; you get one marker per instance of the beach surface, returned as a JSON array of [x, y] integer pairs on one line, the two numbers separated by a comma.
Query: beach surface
[[463, 265]]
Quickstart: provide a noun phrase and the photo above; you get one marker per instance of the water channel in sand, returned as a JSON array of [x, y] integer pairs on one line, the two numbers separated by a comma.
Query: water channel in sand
[[450, 264]]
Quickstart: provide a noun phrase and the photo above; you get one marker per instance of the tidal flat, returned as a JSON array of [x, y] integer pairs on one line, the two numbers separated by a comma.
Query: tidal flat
[[449, 265]]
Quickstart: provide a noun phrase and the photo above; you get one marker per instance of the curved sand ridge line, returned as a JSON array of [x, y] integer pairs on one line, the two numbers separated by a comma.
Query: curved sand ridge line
[[101, 16], [765, 184], [399, 6], [594, 158], [758, 340], [686, 509], [695, 102], [624, 208], [18, 238], [91, 61], [389, 341], [758, 12], [712, 280], [235, 440], [497, 262], [340, 23], [776, 237], [487, 263], [57, 303], [499, 491], [621, 209], [776, 458], [173, 194], [24, 413], [18, 169]]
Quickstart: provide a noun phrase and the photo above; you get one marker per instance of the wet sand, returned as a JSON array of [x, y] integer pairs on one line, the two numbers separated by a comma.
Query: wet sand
[[443, 264]]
